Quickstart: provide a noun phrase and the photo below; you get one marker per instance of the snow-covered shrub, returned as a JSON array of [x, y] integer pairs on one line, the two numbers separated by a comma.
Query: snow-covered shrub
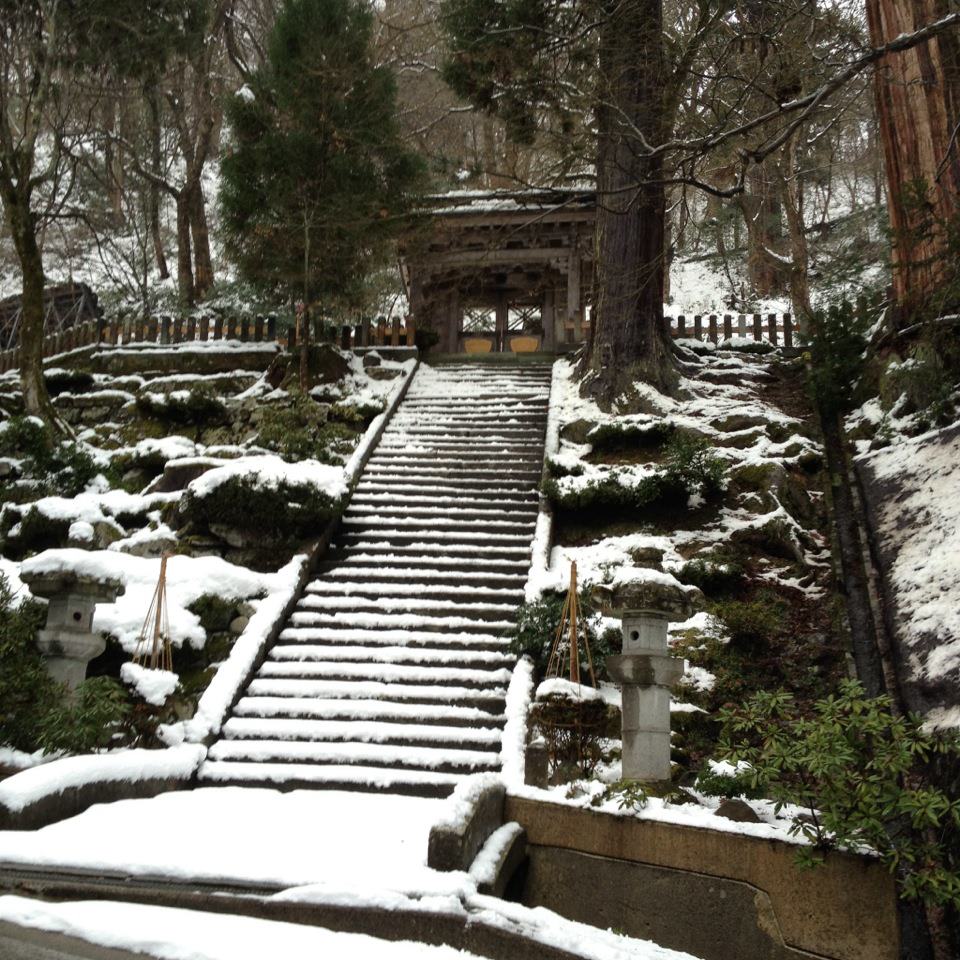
[[89, 720], [715, 575], [64, 469], [688, 469], [192, 407], [68, 381], [302, 429], [31, 531], [727, 780], [263, 500], [752, 624], [630, 434]]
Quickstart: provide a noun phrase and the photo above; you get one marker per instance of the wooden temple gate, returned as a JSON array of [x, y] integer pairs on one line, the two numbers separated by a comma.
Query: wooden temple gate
[[504, 271]]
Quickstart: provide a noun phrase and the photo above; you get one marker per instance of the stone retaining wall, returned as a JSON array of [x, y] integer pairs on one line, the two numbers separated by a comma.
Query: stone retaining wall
[[718, 895]]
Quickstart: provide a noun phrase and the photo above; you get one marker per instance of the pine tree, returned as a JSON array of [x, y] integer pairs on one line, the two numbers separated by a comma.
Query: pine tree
[[317, 180]]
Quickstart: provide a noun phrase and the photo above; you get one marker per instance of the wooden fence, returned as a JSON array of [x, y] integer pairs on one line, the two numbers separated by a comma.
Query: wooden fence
[[775, 328], [164, 330]]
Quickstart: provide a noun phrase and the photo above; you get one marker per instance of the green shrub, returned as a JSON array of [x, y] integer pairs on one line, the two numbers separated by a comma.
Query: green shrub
[[355, 414], [300, 431], [688, 468], [36, 532], [537, 625], [89, 720], [27, 692], [739, 784], [269, 514], [64, 469], [715, 577], [617, 435], [863, 773], [751, 624], [215, 612], [68, 381], [197, 408]]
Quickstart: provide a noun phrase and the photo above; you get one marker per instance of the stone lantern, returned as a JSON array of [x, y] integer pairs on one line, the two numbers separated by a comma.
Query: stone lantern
[[68, 641], [645, 670]]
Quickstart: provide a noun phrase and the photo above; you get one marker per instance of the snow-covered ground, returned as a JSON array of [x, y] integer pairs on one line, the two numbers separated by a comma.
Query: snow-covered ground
[[320, 847]]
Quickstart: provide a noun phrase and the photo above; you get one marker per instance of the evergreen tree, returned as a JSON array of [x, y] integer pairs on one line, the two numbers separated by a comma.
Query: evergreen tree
[[317, 179]]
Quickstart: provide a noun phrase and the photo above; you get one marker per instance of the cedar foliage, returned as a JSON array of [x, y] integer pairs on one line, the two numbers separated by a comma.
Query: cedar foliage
[[316, 180]]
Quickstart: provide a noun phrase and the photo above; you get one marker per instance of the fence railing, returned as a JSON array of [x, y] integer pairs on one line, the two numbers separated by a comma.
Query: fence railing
[[166, 330], [775, 328]]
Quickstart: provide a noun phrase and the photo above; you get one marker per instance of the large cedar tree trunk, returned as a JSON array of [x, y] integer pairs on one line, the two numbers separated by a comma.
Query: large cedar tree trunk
[[202, 264], [153, 197], [762, 214], [630, 341], [918, 101], [184, 260]]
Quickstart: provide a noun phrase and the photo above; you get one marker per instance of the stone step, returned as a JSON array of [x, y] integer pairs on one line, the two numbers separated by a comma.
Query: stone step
[[365, 731], [386, 603], [437, 468], [296, 776], [435, 576], [481, 528], [416, 656], [450, 487], [463, 594], [384, 711], [413, 639], [526, 502], [410, 674], [355, 754], [397, 621]]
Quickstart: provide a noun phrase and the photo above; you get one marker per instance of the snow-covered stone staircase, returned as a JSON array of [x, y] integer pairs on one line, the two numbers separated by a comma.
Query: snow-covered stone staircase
[[392, 672]]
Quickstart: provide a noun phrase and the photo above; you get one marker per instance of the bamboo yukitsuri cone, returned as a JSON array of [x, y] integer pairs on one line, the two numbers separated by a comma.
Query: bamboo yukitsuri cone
[[153, 648]]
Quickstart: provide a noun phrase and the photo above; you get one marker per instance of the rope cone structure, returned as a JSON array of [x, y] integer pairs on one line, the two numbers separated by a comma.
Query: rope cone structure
[[565, 653], [153, 645]]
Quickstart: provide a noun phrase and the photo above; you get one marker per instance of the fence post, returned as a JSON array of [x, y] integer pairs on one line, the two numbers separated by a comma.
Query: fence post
[[772, 327], [204, 326], [727, 326], [191, 328], [357, 334], [712, 327], [217, 327], [381, 332], [165, 328], [245, 329], [757, 328], [681, 326], [411, 332], [258, 328], [742, 326], [787, 330], [697, 326], [271, 327], [365, 332]]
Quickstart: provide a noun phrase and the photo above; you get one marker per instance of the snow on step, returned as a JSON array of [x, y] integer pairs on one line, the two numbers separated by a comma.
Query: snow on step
[[368, 731], [325, 653], [316, 707], [391, 671]]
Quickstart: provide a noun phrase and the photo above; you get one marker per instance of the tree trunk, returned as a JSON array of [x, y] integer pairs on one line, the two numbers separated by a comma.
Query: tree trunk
[[791, 189], [630, 341], [22, 227], [203, 265], [153, 196], [918, 103], [184, 261], [762, 214]]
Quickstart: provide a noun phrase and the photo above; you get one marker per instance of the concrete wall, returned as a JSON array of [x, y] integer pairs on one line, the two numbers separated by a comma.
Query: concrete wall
[[715, 894]]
